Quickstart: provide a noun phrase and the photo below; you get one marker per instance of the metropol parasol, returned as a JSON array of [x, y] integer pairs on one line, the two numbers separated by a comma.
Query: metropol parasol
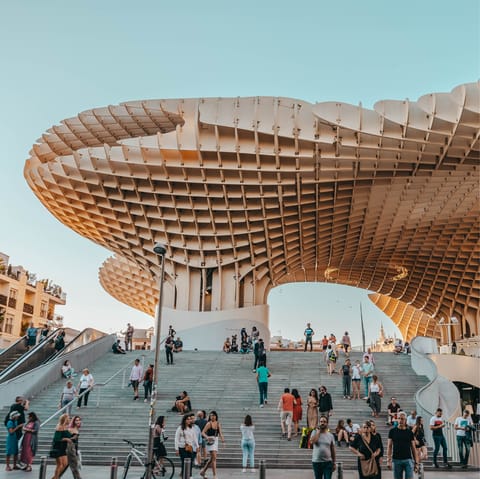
[[251, 193]]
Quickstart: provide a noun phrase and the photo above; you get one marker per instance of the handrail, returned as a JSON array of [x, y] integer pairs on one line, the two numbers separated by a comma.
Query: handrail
[[28, 354], [68, 347], [96, 385]]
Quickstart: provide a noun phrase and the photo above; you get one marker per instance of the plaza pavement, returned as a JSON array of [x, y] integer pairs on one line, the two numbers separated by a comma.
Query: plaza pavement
[[100, 472]]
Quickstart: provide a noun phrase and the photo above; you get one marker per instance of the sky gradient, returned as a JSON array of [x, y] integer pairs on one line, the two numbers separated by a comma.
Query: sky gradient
[[60, 58]]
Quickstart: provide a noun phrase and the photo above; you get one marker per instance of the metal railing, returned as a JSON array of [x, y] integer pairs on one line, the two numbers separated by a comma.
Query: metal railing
[[96, 387]]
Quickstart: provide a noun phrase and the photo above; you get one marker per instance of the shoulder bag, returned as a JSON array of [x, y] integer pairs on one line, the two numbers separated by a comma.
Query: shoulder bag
[[369, 466]]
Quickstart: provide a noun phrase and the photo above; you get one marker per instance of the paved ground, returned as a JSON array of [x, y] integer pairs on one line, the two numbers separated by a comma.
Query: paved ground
[[95, 472]]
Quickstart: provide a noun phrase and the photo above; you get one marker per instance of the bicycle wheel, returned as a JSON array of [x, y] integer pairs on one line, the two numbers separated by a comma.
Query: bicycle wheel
[[164, 468], [126, 466]]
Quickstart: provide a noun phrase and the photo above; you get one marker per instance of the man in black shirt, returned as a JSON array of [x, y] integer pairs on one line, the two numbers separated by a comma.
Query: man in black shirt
[[401, 450], [393, 408], [308, 333]]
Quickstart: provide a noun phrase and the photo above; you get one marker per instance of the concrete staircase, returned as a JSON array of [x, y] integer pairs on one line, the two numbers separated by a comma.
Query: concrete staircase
[[225, 383]]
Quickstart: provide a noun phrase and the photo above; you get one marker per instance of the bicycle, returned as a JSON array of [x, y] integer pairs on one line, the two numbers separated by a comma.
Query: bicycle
[[162, 467]]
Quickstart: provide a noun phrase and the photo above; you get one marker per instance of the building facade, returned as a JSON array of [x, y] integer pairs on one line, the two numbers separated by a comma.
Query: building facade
[[23, 300], [251, 193]]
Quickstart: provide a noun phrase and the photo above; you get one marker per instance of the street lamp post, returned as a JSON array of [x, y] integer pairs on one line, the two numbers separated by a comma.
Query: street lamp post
[[160, 250]]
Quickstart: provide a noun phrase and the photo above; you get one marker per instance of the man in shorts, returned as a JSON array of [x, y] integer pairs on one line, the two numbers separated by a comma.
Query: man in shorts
[[285, 406], [308, 333]]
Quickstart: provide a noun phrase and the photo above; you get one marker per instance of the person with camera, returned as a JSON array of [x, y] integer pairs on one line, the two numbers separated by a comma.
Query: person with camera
[[323, 450]]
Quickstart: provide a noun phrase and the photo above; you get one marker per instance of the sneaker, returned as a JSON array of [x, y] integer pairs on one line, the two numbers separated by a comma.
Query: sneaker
[[447, 465], [254, 370], [261, 405], [145, 400], [244, 470]]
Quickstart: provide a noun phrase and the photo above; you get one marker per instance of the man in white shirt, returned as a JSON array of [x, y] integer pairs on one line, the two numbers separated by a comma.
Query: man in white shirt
[[462, 427], [437, 423], [412, 419], [135, 377]]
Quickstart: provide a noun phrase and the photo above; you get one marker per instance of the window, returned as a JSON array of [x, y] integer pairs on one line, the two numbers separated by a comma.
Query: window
[[43, 309]]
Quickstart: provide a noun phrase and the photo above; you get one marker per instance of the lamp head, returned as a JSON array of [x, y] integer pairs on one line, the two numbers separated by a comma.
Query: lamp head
[[160, 249]]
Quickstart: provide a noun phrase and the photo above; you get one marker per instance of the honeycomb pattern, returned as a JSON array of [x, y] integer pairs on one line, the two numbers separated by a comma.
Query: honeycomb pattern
[[250, 193]]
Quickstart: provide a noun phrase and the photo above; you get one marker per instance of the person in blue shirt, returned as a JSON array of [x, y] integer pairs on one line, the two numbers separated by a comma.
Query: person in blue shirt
[[262, 378], [308, 333]]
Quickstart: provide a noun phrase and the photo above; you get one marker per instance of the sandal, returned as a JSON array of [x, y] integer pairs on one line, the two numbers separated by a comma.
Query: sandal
[[28, 469], [8, 468]]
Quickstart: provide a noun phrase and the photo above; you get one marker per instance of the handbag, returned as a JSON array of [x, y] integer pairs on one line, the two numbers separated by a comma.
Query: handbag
[[369, 467]]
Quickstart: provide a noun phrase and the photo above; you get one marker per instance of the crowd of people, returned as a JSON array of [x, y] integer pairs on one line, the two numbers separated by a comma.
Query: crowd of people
[[198, 434]]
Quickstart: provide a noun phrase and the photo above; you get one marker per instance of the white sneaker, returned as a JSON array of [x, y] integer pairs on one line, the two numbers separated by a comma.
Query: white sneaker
[[244, 470]]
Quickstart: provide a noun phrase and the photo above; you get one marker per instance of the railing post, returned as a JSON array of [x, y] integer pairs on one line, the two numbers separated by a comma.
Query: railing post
[[263, 469], [187, 467], [339, 470], [113, 468], [43, 468]]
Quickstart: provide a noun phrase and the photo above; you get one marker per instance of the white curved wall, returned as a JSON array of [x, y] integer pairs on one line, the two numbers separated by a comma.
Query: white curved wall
[[458, 368], [208, 330]]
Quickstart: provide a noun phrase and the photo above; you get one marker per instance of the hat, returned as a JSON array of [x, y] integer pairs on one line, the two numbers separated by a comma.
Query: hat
[[14, 414]]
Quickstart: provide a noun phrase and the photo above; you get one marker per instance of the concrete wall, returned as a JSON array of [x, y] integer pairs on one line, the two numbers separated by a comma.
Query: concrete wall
[[206, 331], [458, 368]]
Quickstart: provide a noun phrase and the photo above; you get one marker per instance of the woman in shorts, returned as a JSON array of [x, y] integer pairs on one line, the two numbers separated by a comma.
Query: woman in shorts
[[211, 432], [356, 379]]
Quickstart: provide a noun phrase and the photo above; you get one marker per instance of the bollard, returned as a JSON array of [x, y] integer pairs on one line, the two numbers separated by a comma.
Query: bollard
[[43, 468], [187, 467], [113, 468], [339, 470], [263, 469]]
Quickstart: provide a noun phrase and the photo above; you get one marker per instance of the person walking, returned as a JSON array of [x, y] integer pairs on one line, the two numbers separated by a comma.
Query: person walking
[[262, 379], [365, 446], [323, 450], [73, 452], [211, 432], [401, 450], [308, 333], [420, 441], [375, 394], [258, 352], [31, 336], [185, 439], [285, 406], [325, 404], [248, 443], [68, 395], [297, 411], [463, 426], [85, 384], [367, 373], [158, 444], [437, 423], [29, 441], [61, 437], [169, 345], [346, 372], [356, 379], [346, 343], [148, 382], [312, 409], [136, 376], [331, 359]]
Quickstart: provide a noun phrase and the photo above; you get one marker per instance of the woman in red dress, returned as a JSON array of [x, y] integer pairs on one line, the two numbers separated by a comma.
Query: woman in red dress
[[297, 411], [30, 441]]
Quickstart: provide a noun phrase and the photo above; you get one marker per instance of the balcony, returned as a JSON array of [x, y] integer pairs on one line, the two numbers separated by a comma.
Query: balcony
[[3, 300], [28, 308], [12, 303]]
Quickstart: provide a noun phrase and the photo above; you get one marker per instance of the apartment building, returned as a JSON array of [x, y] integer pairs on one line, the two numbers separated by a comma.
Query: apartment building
[[25, 299]]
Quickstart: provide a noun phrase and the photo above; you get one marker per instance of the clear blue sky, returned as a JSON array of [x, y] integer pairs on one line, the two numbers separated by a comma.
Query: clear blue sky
[[59, 58]]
